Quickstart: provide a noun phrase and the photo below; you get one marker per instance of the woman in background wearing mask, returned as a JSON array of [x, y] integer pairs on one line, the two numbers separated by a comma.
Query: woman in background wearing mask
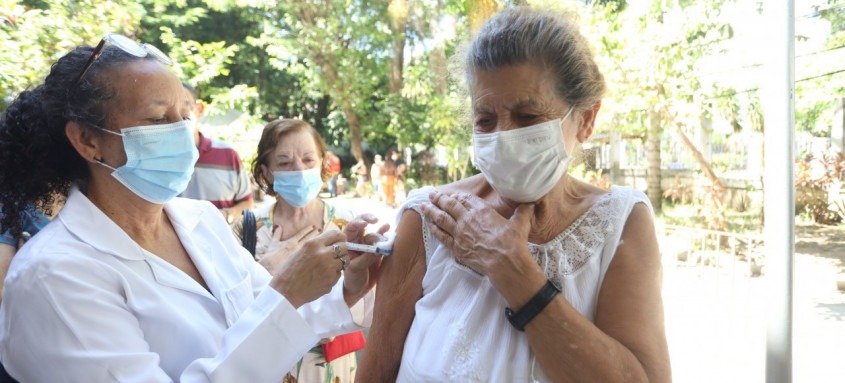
[[523, 273], [128, 283], [290, 165]]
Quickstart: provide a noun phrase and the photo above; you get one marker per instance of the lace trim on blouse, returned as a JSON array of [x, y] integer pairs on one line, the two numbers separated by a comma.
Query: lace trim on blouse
[[427, 239], [569, 251]]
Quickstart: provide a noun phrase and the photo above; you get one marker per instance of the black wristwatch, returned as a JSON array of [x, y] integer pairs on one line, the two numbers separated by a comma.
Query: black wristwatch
[[534, 306]]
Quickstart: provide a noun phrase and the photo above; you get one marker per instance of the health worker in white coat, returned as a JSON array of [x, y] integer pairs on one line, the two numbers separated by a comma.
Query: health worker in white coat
[[129, 283]]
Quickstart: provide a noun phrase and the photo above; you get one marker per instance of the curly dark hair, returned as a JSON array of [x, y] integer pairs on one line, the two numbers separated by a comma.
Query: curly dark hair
[[37, 162]]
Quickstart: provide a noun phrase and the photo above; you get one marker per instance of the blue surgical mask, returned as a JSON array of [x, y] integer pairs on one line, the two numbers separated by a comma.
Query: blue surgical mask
[[159, 160], [298, 187]]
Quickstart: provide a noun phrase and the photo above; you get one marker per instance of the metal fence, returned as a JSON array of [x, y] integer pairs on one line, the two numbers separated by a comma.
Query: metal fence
[[701, 247], [740, 153]]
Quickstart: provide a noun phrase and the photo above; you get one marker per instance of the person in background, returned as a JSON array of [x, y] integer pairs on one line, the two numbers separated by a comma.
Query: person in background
[[33, 221], [388, 179], [219, 175], [375, 176], [523, 273], [342, 184], [291, 165], [361, 178], [128, 282], [401, 167], [399, 188], [334, 171]]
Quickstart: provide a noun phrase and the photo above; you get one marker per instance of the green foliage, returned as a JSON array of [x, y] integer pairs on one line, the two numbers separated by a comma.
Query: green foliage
[[36, 34], [745, 222], [834, 12], [598, 178], [328, 62]]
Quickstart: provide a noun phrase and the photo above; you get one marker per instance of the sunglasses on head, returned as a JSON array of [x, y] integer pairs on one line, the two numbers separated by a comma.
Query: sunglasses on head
[[127, 45]]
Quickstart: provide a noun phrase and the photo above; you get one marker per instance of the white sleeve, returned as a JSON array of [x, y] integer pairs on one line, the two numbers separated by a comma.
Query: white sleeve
[[268, 339], [329, 316]]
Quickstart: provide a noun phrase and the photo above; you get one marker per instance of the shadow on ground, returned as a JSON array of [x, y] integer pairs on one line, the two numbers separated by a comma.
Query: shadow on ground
[[822, 241]]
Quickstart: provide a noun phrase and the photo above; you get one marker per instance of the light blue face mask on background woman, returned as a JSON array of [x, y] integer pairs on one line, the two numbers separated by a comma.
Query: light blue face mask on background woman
[[298, 187], [159, 160]]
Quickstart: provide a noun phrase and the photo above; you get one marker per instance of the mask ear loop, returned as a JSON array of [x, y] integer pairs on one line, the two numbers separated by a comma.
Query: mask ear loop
[[100, 161], [109, 131], [568, 112]]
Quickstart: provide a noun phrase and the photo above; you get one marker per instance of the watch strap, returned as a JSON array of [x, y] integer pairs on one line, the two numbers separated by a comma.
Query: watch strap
[[534, 306]]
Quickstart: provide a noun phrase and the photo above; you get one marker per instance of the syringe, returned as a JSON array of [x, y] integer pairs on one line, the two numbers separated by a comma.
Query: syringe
[[384, 247]]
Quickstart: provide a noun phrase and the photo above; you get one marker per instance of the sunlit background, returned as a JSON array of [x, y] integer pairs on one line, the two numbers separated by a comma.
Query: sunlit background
[[683, 121]]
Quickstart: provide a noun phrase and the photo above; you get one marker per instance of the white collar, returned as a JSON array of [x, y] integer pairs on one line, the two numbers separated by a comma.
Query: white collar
[[88, 223]]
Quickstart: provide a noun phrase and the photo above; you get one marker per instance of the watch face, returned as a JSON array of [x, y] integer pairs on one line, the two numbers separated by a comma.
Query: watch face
[[230, 218]]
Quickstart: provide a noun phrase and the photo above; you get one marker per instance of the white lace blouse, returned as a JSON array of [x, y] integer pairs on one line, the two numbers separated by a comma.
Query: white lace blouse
[[460, 333]]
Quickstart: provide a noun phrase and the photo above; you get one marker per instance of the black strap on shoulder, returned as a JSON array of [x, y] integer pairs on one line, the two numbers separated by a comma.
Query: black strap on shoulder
[[249, 231]]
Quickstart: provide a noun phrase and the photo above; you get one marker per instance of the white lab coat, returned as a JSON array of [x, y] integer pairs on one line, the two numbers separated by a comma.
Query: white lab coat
[[84, 303]]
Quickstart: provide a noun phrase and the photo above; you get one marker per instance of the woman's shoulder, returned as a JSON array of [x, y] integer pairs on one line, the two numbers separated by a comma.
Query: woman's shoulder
[[475, 185], [54, 251], [629, 196]]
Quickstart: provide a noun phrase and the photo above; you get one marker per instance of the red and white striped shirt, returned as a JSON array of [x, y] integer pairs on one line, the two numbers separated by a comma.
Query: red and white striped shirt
[[219, 176]]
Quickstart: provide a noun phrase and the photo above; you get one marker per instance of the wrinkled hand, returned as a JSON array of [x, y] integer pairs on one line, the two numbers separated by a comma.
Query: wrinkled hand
[[278, 251], [477, 234], [312, 271], [363, 270]]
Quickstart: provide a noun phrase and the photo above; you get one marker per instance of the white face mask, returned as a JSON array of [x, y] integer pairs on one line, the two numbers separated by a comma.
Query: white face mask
[[523, 164]]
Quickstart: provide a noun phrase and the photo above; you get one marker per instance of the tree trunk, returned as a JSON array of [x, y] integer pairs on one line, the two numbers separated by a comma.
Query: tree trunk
[[713, 209], [696, 154], [654, 173], [438, 61], [396, 64], [355, 136], [398, 11], [440, 64]]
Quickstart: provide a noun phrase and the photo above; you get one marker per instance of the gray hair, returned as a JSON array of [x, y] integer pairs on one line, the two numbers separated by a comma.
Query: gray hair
[[552, 40]]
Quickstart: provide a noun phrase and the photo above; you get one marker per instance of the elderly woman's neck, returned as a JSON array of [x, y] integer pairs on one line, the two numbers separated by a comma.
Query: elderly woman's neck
[[546, 223], [283, 209], [556, 211]]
